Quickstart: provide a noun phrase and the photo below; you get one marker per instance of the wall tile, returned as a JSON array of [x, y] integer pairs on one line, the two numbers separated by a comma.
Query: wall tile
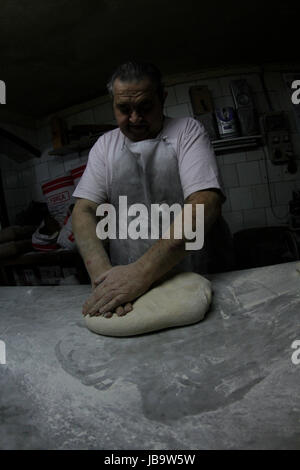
[[254, 155], [42, 172], [28, 176], [180, 110], [235, 220], [37, 193], [260, 195], [11, 179], [249, 173], [255, 218], [236, 157], [284, 191], [27, 164], [171, 97], [7, 163], [277, 216], [229, 176], [182, 92], [219, 160], [20, 197], [271, 172], [241, 198], [226, 207]]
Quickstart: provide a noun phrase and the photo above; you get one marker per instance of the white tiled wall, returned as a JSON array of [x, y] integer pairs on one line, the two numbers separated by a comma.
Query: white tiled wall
[[245, 175]]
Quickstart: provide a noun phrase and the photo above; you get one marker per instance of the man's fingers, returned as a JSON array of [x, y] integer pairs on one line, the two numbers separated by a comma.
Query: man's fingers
[[99, 303], [108, 314], [113, 304], [128, 307], [120, 311]]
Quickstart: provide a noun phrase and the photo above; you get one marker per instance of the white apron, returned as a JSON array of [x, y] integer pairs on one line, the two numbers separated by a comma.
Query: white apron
[[147, 172]]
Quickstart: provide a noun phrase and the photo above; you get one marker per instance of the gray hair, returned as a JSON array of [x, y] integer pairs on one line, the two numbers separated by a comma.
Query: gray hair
[[134, 71]]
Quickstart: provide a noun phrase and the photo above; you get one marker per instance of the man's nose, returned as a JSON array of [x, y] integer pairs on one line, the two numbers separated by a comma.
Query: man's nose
[[134, 117]]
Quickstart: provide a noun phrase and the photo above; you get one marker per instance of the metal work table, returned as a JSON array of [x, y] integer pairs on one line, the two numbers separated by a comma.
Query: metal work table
[[227, 382]]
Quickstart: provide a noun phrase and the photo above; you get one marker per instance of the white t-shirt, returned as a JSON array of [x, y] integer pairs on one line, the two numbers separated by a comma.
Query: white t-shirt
[[196, 160]]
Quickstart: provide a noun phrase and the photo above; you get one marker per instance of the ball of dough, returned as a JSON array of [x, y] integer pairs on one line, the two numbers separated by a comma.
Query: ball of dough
[[182, 300]]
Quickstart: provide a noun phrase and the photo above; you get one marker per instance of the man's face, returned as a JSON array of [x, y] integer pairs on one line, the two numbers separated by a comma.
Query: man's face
[[137, 108]]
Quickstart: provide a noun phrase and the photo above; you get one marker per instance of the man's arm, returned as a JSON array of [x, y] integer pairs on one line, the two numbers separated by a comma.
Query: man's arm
[[96, 260], [84, 222], [166, 253]]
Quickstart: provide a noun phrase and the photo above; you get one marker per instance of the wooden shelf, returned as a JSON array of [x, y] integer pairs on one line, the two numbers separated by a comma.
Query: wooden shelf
[[82, 144], [236, 143], [84, 137]]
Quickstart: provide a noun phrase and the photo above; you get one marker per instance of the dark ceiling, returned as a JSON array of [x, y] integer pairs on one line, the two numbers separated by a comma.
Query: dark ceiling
[[58, 53]]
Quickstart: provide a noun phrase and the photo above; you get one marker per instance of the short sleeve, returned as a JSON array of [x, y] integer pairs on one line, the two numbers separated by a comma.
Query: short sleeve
[[196, 159], [93, 183]]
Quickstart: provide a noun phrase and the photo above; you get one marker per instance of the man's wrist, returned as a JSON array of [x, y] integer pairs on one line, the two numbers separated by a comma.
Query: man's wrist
[[146, 269], [160, 259], [95, 268]]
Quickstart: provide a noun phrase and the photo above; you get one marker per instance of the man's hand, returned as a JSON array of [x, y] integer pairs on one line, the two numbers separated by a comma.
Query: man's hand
[[115, 287]]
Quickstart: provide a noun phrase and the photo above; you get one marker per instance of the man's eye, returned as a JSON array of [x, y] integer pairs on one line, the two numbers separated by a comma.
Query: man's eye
[[124, 109], [145, 108]]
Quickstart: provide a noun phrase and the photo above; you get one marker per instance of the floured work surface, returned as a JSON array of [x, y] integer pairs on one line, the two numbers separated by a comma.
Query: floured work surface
[[227, 382]]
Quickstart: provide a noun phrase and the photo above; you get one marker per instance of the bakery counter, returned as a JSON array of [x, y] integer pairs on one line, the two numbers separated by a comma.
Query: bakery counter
[[231, 381]]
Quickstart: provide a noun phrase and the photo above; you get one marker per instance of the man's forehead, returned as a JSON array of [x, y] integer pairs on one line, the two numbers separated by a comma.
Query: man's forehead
[[135, 89]]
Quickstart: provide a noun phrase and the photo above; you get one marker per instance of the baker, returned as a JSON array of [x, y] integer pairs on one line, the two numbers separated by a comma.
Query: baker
[[150, 159]]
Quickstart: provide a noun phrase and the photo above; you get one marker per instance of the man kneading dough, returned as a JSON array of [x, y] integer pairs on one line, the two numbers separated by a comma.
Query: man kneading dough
[[150, 159]]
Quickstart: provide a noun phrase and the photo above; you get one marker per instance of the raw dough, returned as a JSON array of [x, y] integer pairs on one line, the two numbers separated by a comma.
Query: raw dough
[[182, 300]]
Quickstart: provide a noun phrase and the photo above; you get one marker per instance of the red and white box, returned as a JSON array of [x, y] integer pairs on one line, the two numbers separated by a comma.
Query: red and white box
[[58, 195]]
